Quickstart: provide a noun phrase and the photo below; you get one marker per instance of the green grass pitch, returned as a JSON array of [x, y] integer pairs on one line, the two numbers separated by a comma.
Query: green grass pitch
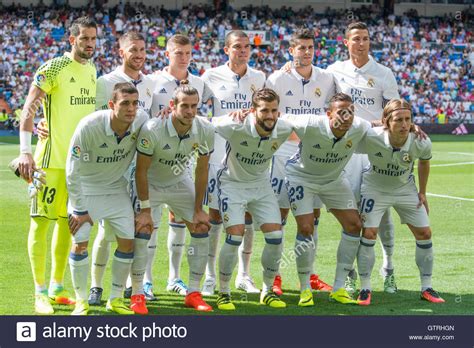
[[452, 223]]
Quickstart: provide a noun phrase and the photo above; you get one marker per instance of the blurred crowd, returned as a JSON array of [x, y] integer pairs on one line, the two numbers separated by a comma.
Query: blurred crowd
[[432, 58]]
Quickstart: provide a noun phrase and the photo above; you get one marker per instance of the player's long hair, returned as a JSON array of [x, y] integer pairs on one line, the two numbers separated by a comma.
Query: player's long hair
[[393, 105]]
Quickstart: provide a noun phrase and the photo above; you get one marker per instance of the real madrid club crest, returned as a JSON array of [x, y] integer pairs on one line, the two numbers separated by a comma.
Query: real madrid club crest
[[253, 88], [293, 206], [274, 146], [370, 83], [148, 93], [134, 136], [317, 92], [195, 146], [226, 217], [349, 144]]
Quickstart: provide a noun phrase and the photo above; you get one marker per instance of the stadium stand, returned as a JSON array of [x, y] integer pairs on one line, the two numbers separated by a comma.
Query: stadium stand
[[432, 58]]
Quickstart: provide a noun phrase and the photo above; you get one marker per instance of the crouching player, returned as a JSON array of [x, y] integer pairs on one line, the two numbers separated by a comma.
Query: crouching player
[[244, 185], [389, 182], [165, 148], [101, 151]]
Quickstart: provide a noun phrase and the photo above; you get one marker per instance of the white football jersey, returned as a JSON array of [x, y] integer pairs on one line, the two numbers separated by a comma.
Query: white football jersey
[[322, 157], [369, 86], [98, 159], [171, 154], [230, 93], [391, 169], [164, 87], [248, 155], [299, 96], [106, 84]]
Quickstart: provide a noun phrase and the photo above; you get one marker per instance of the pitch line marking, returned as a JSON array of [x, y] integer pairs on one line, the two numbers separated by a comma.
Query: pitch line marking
[[450, 197], [451, 164]]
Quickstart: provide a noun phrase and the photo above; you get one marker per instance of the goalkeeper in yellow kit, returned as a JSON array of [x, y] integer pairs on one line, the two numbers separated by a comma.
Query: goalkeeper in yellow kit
[[66, 88]]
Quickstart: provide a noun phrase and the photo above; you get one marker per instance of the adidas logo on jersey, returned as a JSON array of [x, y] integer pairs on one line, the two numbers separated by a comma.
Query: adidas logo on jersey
[[289, 93], [72, 79], [163, 90], [222, 88], [244, 143], [378, 154], [166, 147], [103, 146], [317, 146]]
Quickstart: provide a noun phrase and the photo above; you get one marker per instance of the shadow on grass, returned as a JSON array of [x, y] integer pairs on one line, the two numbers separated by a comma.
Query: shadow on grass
[[404, 302]]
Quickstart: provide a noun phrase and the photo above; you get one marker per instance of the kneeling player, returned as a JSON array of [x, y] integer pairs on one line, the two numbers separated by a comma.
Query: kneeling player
[[389, 182], [101, 151], [165, 147], [244, 185]]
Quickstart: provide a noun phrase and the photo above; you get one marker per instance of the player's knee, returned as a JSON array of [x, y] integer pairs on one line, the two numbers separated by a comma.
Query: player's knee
[[214, 216], [423, 233], [79, 248], [353, 226], [125, 245], [370, 233], [306, 229], [200, 229]]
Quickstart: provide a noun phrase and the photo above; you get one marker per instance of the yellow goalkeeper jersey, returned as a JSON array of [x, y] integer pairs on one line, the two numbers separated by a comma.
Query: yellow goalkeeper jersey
[[70, 89]]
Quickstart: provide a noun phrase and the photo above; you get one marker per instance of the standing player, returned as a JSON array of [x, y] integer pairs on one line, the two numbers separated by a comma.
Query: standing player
[[133, 53], [370, 85], [305, 89], [232, 85], [179, 54], [327, 143], [67, 86], [165, 148], [390, 182], [244, 184], [101, 151]]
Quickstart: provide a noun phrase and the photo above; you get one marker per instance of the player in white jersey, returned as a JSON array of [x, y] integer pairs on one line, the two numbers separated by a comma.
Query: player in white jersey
[[327, 143], [165, 148], [133, 53], [389, 182], [101, 150], [305, 89], [179, 54], [370, 85], [232, 84], [243, 184]]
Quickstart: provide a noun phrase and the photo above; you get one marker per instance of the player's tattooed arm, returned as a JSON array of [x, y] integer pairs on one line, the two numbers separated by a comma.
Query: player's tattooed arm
[[423, 174], [33, 102], [143, 221]]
